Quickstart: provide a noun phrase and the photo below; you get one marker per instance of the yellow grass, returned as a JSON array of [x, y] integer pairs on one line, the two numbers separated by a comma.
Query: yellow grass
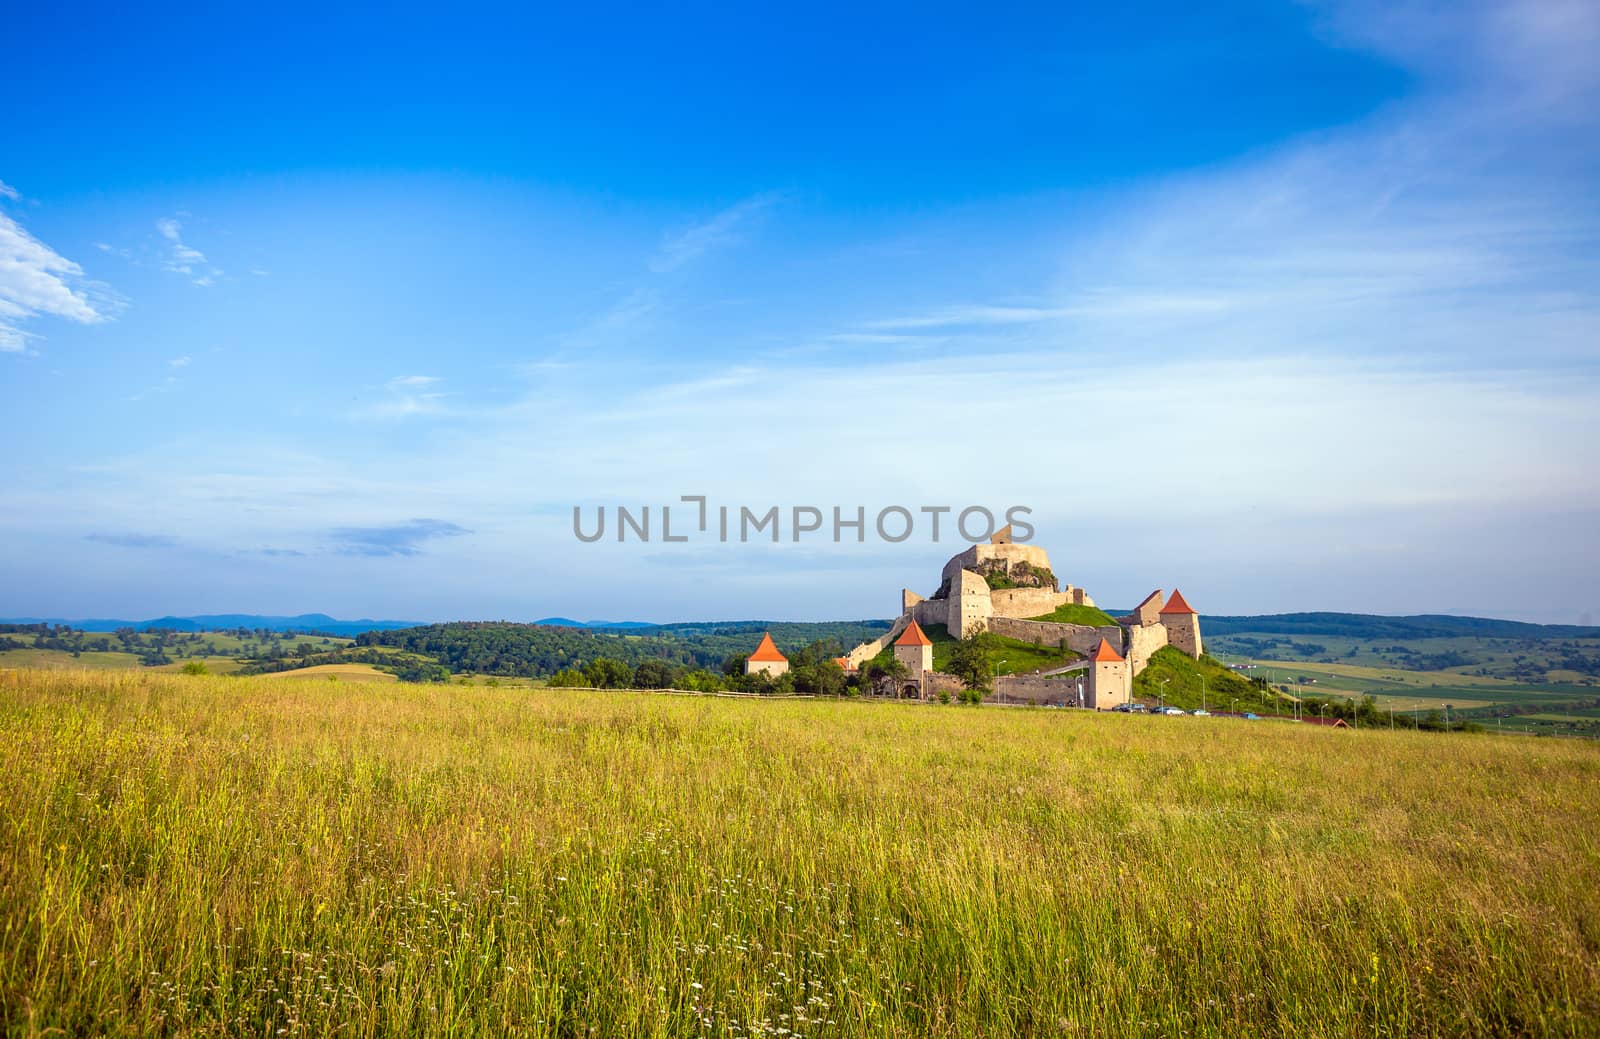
[[342, 672], [215, 856]]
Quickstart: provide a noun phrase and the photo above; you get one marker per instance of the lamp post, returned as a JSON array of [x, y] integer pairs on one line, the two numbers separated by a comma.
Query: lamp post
[[1234, 707], [1161, 697], [1203, 695]]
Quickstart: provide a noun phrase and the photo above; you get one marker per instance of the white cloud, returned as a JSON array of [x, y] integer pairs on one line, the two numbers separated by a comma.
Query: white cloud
[[184, 259], [412, 380], [35, 280], [687, 245], [9, 192], [181, 362]]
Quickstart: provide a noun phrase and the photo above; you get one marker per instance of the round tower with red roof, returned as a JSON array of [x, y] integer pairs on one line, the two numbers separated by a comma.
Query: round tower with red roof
[[1182, 624]]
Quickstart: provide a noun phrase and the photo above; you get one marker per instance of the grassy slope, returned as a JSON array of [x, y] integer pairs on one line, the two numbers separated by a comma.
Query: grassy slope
[[1011, 655], [1184, 682], [1071, 613], [217, 856]]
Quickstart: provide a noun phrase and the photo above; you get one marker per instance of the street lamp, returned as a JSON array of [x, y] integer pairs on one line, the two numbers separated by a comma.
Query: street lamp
[[1161, 697], [1203, 695], [1234, 707]]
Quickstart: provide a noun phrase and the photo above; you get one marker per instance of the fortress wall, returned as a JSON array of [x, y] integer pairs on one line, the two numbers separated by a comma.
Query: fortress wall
[[1080, 637], [931, 611], [867, 650], [1142, 642], [1035, 690], [1026, 602]]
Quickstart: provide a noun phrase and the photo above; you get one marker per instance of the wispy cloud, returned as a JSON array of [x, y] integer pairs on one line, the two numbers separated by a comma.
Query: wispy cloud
[[182, 258], [134, 540], [9, 192], [402, 399], [181, 362], [727, 227], [36, 280], [399, 539]]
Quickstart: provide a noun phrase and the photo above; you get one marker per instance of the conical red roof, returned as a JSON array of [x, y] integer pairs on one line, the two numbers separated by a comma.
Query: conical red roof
[[1104, 653], [1176, 604], [913, 636], [767, 650]]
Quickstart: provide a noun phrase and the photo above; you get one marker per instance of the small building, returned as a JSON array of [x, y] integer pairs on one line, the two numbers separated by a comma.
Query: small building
[[766, 659]]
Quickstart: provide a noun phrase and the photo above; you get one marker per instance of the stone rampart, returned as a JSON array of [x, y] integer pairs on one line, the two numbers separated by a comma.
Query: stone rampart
[[1144, 641], [1080, 638]]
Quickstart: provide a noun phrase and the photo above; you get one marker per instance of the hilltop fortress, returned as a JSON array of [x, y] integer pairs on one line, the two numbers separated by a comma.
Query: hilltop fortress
[[1009, 589]]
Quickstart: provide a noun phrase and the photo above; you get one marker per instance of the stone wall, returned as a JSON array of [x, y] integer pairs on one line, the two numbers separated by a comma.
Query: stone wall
[[1032, 689], [1080, 638], [1142, 642], [768, 667], [1026, 602], [867, 650]]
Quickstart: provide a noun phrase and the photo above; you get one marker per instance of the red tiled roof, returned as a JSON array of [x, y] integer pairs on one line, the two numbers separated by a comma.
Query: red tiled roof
[[1177, 605], [1104, 653], [913, 636], [767, 650], [843, 662]]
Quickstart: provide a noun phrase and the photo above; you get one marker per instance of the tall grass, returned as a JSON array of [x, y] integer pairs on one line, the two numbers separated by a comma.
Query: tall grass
[[210, 856]]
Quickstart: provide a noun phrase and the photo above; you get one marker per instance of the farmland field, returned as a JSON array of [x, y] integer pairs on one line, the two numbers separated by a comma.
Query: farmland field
[[217, 855]]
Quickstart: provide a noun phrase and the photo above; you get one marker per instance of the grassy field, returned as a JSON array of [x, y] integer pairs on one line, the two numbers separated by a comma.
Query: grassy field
[[207, 856], [1523, 660], [339, 672]]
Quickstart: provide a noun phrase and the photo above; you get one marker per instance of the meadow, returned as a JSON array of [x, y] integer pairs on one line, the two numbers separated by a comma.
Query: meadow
[[209, 855]]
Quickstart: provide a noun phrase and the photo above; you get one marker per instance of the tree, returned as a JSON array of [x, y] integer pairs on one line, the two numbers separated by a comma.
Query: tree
[[972, 660], [195, 667], [606, 673], [701, 681], [884, 674], [652, 674], [569, 678]]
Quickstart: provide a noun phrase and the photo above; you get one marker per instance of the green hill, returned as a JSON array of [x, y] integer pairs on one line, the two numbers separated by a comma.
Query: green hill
[[1182, 681], [1071, 613]]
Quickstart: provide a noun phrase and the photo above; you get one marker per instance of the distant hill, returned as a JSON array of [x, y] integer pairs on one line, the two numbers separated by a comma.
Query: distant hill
[[1369, 626], [305, 622], [567, 622]]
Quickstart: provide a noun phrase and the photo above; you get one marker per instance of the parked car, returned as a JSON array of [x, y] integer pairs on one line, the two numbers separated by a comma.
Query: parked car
[[1169, 710], [1201, 714], [1252, 716]]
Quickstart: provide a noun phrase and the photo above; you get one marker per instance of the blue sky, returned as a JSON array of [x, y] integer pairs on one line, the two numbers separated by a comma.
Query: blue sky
[[1291, 305]]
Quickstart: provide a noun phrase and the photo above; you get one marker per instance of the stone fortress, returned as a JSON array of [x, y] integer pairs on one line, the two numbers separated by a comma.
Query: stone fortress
[[1001, 587]]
